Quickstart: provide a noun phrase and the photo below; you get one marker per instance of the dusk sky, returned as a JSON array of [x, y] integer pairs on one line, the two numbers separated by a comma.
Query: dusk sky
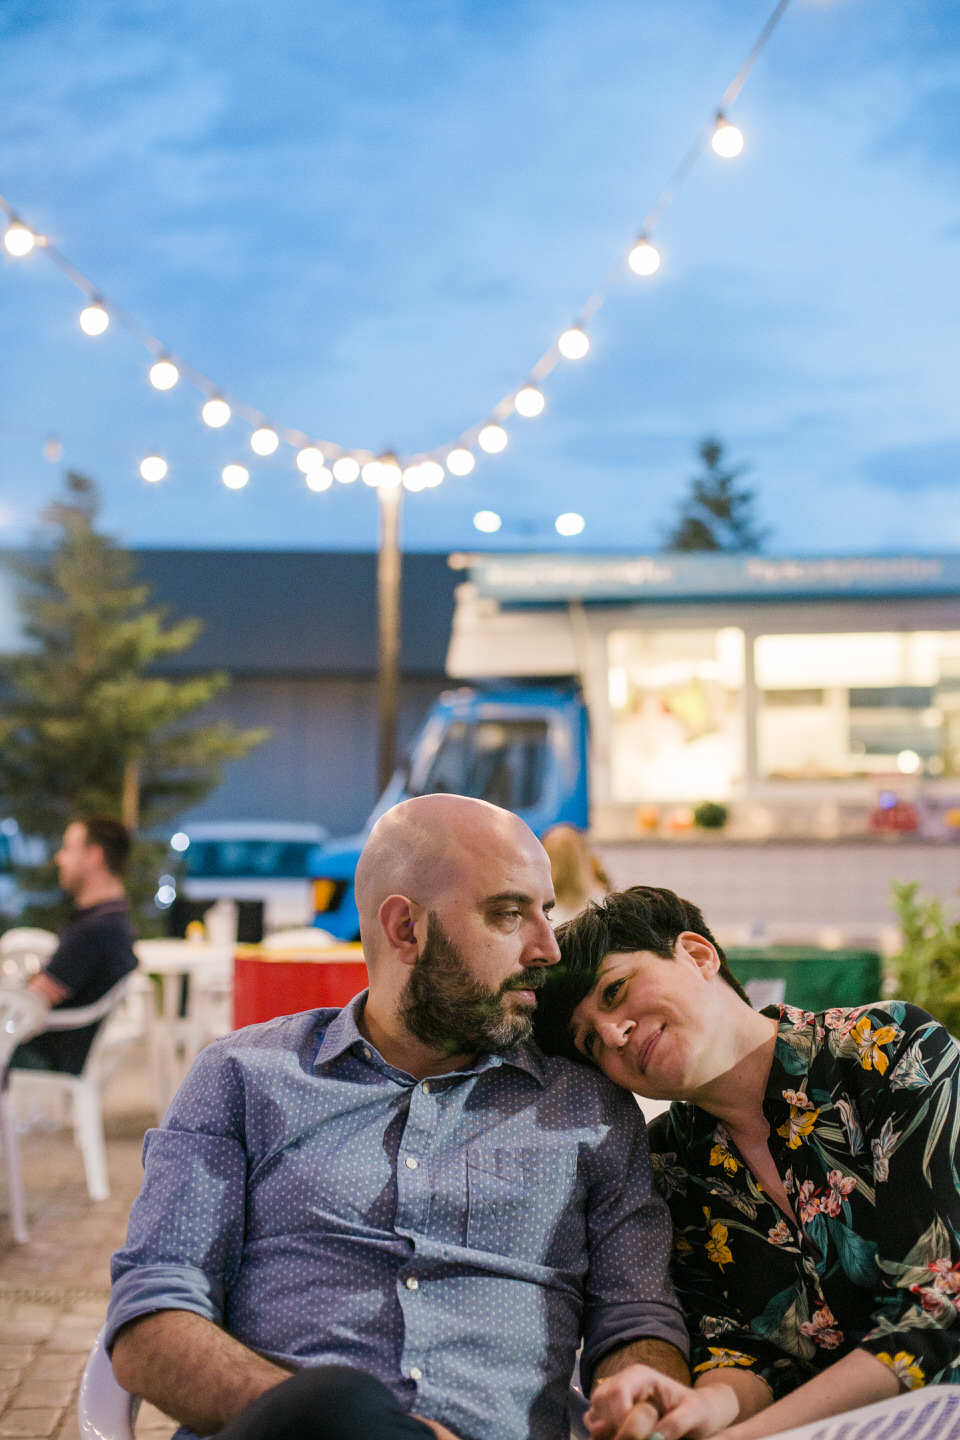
[[369, 220]]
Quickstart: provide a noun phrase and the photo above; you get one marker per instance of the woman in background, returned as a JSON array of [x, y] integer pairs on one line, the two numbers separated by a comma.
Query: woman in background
[[578, 876]]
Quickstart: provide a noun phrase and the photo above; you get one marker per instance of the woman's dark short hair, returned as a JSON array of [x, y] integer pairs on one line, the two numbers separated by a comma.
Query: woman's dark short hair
[[645, 917]]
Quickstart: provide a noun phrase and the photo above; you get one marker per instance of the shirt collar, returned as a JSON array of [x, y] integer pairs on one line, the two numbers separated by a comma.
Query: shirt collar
[[343, 1032]]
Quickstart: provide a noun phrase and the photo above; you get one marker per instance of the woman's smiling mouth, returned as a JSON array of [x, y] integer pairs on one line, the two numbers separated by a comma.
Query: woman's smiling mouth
[[647, 1048]]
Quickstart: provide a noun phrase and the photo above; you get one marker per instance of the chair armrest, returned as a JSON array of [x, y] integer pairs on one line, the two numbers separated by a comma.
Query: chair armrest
[[105, 1411], [76, 1017]]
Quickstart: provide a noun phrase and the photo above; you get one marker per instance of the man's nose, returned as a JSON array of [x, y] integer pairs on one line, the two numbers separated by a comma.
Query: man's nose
[[615, 1033], [543, 948]]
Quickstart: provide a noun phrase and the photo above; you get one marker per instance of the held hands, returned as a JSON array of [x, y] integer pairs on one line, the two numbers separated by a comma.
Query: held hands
[[637, 1403]]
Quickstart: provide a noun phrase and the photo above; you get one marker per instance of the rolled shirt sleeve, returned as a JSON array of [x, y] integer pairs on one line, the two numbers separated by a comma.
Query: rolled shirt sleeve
[[185, 1235], [628, 1295]]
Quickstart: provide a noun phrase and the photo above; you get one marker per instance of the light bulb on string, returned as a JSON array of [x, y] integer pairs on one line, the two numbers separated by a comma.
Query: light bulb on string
[[94, 318], [432, 474], [529, 402], [573, 343], [234, 476], [18, 239], [164, 375], [309, 458], [727, 139], [319, 479], [460, 461], [493, 439], [346, 469], [53, 449], [488, 521], [264, 440], [216, 413], [413, 478], [390, 473], [569, 524], [644, 258], [153, 468]]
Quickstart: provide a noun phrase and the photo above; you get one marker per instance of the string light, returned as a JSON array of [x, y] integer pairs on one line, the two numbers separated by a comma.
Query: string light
[[569, 524], [644, 258], [153, 468], [424, 470], [529, 401], [319, 479], [432, 474], [94, 319], [18, 239], [460, 462], [234, 476], [488, 521], [390, 473], [164, 375], [346, 469], [216, 413], [727, 139], [309, 458], [573, 343], [493, 439], [264, 440]]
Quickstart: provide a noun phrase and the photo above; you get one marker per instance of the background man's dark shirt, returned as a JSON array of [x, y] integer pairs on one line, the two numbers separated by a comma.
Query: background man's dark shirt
[[95, 952]]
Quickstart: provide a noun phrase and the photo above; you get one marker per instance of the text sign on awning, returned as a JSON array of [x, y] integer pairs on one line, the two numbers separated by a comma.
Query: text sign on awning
[[533, 579]]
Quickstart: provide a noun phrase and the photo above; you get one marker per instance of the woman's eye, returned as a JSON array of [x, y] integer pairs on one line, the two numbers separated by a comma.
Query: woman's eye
[[611, 991], [589, 1040]]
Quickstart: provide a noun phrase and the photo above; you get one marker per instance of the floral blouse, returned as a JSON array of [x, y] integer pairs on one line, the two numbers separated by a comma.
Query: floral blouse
[[864, 1112]]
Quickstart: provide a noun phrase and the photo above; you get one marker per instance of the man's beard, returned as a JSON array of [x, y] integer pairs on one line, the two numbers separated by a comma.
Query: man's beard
[[445, 1007]]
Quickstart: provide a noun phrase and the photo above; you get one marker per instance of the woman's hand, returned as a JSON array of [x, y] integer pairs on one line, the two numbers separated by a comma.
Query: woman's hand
[[638, 1402]]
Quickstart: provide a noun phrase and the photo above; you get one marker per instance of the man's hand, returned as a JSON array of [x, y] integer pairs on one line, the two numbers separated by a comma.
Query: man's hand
[[441, 1431], [637, 1402]]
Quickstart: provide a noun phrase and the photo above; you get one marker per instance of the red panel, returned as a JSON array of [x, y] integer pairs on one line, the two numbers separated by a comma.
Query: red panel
[[263, 988]]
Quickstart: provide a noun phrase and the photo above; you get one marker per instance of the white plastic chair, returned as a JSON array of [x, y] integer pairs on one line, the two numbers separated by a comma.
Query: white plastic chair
[[105, 1411], [22, 1014], [82, 1090], [23, 952]]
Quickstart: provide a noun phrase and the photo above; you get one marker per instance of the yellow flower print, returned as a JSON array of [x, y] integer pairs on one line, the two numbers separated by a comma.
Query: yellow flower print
[[717, 1248], [868, 1042], [720, 1155], [905, 1367], [681, 1246], [798, 1127], [720, 1358]]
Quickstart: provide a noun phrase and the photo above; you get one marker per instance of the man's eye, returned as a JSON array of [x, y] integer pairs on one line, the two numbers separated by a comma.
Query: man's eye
[[611, 991]]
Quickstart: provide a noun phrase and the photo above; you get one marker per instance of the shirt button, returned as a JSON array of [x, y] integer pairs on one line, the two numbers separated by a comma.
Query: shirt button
[[366, 1054], [415, 1372], [412, 1283], [425, 1087], [410, 1163]]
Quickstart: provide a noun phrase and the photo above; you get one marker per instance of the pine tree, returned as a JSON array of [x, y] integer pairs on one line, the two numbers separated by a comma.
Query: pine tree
[[85, 727], [716, 515]]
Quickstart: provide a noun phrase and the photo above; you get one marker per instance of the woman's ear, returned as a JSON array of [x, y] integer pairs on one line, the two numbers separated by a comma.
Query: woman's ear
[[398, 918], [699, 951]]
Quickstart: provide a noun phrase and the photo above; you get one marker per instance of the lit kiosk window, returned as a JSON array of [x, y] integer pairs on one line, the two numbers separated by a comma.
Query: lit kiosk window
[[676, 713], [858, 705]]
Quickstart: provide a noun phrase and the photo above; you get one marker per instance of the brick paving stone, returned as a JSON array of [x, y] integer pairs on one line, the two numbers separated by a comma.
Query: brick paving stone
[[35, 1394], [51, 1367], [30, 1424], [154, 1423]]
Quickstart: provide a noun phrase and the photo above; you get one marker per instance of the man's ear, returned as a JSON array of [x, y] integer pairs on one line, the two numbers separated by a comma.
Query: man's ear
[[398, 918], [700, 951]]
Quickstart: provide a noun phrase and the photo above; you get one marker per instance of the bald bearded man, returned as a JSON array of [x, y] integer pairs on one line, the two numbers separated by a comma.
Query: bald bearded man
[[403, 1202]]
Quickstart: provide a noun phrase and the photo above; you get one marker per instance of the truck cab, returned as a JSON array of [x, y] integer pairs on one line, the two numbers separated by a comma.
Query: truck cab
[[523, 747]]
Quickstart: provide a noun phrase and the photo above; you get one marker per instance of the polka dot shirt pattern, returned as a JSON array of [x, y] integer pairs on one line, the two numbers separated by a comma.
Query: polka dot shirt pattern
[[455, 1237]]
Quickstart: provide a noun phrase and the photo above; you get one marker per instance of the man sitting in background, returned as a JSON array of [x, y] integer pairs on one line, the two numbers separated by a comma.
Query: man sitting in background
[[96, 944]]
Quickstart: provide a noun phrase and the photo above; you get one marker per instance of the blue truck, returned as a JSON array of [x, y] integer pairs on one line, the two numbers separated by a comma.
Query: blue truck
[[523, 747]]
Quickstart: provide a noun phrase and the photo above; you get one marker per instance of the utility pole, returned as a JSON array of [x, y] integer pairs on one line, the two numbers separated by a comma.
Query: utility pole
[[389, 576]]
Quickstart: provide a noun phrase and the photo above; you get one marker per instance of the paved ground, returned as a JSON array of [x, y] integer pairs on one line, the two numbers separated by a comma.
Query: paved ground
[[53, 1291]]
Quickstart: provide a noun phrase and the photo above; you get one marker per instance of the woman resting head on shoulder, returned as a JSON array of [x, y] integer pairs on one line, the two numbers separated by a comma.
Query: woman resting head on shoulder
[[810, 1163]]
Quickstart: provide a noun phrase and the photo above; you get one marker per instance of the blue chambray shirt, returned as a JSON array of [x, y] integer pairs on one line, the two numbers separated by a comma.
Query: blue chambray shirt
[[454, 1237]]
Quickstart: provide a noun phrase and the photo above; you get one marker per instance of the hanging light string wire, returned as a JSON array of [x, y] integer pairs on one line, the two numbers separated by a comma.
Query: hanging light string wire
[[505, 407]]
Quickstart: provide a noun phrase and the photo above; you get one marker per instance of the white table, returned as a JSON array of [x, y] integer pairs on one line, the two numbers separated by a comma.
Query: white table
[[175, 1039]]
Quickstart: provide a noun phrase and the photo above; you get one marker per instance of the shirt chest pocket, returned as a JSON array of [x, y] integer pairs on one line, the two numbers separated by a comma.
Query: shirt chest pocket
[[522, 1202]]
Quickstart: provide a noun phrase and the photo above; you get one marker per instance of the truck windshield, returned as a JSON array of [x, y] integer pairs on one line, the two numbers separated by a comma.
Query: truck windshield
[[248, 859], [497, 760]]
